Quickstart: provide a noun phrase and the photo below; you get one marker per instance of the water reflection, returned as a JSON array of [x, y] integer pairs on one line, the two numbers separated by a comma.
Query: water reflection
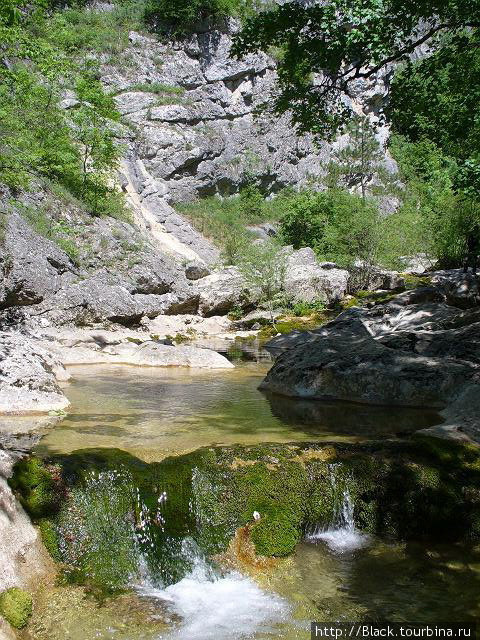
[[154, 413]]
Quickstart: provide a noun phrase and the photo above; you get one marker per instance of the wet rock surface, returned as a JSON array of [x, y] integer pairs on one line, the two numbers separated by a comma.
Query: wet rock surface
[[418, 350], [276, 490]]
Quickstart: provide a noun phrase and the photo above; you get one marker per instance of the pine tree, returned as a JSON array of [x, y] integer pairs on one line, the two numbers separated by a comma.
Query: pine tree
[[360, 164]]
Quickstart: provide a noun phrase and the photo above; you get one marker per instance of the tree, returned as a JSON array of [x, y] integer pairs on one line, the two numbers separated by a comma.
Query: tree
[[304, 220], [263, 266], [360, 161], [438, 99], [327, 47], [434, 217], [180, 16], [92, 129], [340, 226]]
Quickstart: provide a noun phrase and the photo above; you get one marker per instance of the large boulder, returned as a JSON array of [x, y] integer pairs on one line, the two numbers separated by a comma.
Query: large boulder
[[23, 559], [415, 350], [462, 343], [461, 289], [102, 298], [29, 377], [153, 354], [33, 267], [461, 417], [307, 281], [348, 364], [221, 291]]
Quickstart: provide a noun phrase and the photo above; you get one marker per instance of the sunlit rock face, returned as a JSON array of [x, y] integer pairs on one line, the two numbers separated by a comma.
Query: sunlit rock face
[[194, 111]]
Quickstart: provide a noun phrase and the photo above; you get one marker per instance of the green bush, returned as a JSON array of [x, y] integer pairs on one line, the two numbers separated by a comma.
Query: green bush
[[180, 16], [338, 225], [308, 308], [16, 606], [304, 219], [78, 29], [433, 217], [225, 220], [263, 267]]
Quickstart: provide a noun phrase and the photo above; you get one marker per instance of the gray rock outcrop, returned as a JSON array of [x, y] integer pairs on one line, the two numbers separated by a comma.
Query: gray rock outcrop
[[120, 276], [29, 377], [417, 350], [198, 133], [33, 267], [308, 281]]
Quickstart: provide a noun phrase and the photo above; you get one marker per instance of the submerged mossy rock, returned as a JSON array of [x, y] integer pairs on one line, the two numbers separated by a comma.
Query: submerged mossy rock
[[37, 486], [109, 515], [16, 606]]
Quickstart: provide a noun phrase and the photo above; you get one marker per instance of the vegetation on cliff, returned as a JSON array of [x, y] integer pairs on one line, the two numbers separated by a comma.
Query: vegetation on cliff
[[433, 101]]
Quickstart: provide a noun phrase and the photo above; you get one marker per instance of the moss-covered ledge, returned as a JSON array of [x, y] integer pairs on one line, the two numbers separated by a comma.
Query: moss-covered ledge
[[98, 509]]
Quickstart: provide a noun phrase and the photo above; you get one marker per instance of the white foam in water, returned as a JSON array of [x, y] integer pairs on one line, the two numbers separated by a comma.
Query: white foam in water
[[219, 608], [343, 536], [341, 540]]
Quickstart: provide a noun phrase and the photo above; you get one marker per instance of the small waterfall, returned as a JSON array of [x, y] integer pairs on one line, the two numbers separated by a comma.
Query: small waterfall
[[217, 606], [341, 535], [116, 533]]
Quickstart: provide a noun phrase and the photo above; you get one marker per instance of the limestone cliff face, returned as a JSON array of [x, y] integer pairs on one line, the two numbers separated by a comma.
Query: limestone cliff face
[[204, 138], [190, 128]]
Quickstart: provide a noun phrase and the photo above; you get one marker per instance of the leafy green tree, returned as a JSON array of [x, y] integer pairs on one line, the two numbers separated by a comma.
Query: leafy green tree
[[304, 220], [35, 136], [434, 218], [234, 241], [338, 225], [327, 47], [93, 132], [350, 237], [180, 16], [438, 99]]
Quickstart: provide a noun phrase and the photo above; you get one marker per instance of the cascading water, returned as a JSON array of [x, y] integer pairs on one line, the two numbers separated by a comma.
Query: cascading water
[[117, 533], [215, 605], [341, 535]]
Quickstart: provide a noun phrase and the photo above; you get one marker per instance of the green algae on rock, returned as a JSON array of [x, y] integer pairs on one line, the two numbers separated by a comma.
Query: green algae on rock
[[16, 606], [115, 514]]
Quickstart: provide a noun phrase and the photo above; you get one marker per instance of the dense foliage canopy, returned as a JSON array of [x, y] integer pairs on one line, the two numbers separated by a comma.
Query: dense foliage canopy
[[327, 47]]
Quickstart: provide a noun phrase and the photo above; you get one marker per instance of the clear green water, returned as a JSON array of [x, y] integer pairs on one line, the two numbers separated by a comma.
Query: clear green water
[[380, 583], [154, 413]]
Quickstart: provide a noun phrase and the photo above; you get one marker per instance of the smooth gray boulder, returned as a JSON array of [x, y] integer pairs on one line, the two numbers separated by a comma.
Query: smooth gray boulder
[[29, 377], [307, 281], [350, 365], [221, 291]]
